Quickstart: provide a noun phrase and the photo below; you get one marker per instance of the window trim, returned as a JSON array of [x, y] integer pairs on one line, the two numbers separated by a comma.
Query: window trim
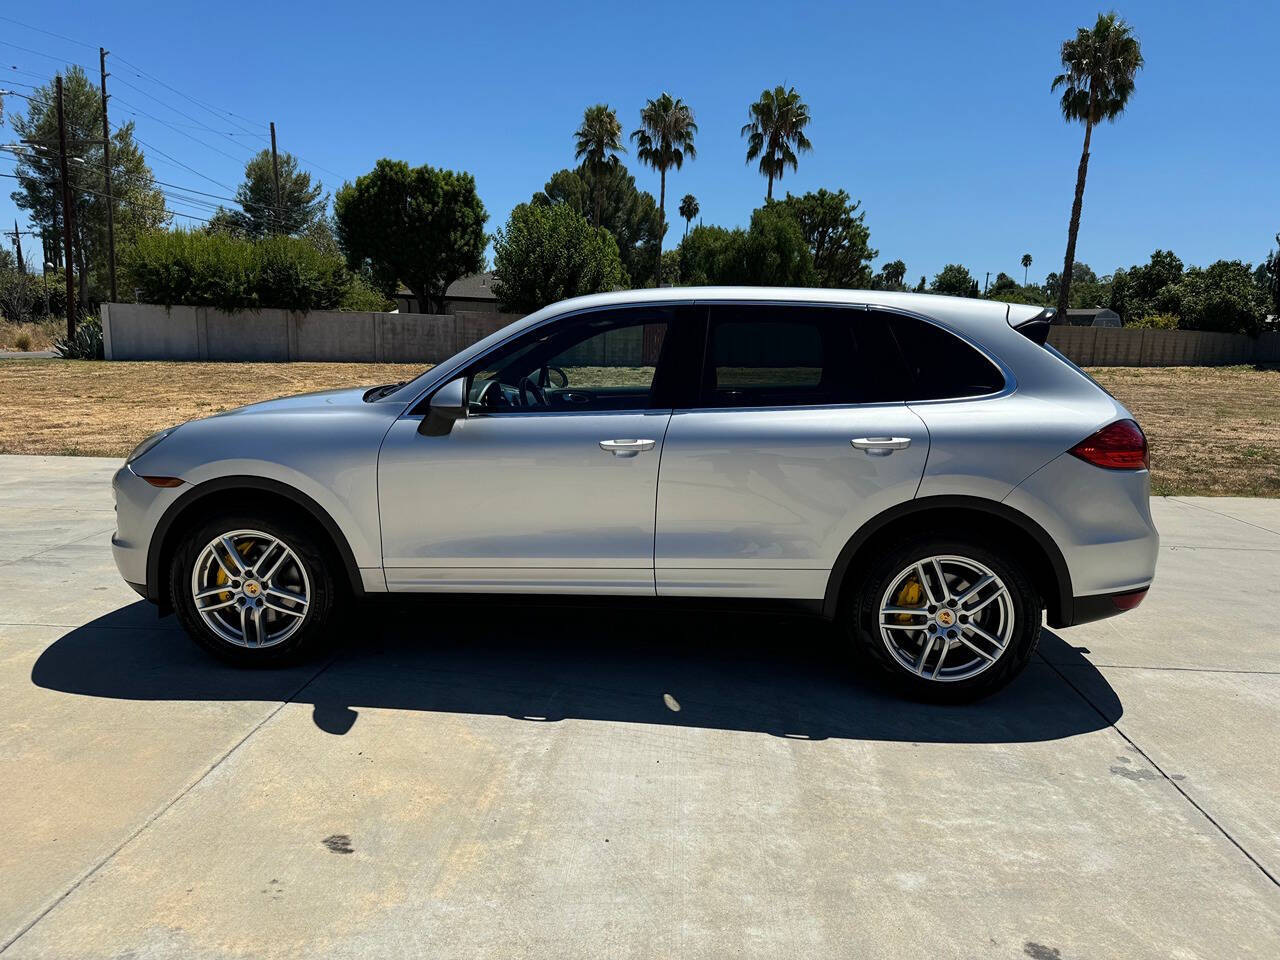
[[668, 357], [1010, 381]]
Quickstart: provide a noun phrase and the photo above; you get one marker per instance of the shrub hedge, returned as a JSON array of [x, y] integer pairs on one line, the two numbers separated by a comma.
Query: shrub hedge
[[192, 268]]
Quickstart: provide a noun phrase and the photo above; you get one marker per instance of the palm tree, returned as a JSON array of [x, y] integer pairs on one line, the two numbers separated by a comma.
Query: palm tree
[[1101, 64], [1026, 265], [598, 142], [664, 140], [778, 120], [688, 210]]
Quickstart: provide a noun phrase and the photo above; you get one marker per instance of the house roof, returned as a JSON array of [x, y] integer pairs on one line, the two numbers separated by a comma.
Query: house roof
[[478, 286], [1086, 316]]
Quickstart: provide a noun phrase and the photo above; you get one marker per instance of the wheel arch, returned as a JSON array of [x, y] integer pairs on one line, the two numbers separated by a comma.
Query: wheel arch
[[986, 518], [236, 492]]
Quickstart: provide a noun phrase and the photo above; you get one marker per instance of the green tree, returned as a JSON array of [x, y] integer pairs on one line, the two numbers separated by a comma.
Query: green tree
[[777, 252], [631, 215], [954, 281], [1100, 66], [548, 253], [1004, 286], [775, 131], [1223, 296], [688, 210], [1026, 265], [1146, 289], [597, 143], [837, 237], [772, 252], [707, 255], [139, 205], [665, 140], [891, 276], [419, 226], [1269, 277], [301, 207]]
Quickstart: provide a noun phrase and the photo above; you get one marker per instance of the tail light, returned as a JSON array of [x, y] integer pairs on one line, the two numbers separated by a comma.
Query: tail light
[[1118, 446]]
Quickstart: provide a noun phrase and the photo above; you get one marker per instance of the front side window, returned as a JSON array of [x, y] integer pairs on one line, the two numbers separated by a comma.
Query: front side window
[[606, 360]]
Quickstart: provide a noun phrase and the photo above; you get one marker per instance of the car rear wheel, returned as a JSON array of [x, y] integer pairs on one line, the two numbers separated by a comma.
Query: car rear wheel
[[946, 619], [251, 590]]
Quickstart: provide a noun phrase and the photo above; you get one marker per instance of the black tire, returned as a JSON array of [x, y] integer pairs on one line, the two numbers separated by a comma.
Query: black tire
[[860, 619], [305, 640]]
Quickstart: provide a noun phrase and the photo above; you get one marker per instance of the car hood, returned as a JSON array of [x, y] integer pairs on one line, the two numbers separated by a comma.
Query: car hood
[[320, 400]]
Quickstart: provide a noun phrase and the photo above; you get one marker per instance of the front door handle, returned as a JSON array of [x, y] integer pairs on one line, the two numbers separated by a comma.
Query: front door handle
[[880, 446], [627, 448]]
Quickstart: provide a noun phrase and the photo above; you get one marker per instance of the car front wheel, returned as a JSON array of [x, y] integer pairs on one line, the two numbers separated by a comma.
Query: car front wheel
[[252, 591], [947, 620]]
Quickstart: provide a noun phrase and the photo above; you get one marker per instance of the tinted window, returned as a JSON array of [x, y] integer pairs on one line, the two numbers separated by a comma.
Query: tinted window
[[765, 355], [598, 361], [939, 364]]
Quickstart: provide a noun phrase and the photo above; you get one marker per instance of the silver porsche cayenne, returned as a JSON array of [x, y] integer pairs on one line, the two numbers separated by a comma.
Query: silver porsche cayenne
[[924, 470]]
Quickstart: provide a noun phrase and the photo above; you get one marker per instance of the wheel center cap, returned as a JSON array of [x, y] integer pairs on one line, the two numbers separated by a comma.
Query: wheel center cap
[[252, 588], [946, 618]]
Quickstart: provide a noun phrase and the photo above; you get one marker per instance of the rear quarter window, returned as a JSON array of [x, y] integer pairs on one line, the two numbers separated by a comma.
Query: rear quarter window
[[940, 365]]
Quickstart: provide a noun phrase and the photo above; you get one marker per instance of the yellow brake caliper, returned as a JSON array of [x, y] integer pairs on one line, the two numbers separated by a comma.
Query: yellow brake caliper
[[222, 577], [911, 595]]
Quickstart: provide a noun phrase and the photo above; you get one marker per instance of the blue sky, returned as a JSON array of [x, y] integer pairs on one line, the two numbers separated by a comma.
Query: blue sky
[[938, 117]]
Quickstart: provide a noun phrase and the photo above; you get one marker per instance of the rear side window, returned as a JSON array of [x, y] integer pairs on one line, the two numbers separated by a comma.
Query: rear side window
[[939, 364], [779, 355]]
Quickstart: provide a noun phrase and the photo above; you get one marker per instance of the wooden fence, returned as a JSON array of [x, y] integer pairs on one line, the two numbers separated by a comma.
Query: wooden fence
[[1129, 347]]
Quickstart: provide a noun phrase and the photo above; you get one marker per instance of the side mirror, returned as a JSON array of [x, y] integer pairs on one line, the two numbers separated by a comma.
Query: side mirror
[[448, 404]]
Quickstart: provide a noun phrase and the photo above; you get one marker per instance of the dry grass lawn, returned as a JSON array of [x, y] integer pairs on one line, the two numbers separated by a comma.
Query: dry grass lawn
[[1213, 430]]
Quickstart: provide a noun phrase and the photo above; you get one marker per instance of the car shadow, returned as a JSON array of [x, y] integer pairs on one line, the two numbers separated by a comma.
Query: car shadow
[[780, 675]]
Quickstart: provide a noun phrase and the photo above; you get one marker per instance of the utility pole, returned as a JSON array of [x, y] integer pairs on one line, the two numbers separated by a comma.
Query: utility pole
[[106, 174], [986, 283], [275, 175], [68, 213], [17, 242]]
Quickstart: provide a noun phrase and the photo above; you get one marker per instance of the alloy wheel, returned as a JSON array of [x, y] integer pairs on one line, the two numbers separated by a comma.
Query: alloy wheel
[[250, 588], [946, 618]]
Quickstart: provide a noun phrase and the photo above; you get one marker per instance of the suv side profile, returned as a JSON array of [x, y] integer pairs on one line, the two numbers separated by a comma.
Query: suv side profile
[[925, 470]]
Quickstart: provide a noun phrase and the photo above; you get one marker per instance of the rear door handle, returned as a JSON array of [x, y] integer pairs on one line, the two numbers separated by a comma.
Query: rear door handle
[[880, 446], [627, 448]]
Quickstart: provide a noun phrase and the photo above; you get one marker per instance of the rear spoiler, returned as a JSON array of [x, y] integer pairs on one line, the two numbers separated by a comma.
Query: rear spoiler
[[1036, 328]]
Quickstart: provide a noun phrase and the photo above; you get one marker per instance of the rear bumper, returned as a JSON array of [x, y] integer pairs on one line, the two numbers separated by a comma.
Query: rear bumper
[[1101, 521], [1102, 605]]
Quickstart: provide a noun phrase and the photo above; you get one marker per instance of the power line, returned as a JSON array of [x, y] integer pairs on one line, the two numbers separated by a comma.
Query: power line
[[207, 146], [169, 106], [95, 193], [199, 103], [40, 53], [49, 33]]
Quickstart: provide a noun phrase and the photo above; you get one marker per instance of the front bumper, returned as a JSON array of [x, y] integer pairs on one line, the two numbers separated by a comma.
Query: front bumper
[[139, 507]]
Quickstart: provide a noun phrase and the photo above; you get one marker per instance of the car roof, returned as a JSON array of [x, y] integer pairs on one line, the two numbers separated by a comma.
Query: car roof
[[922, 302], [962, 314]]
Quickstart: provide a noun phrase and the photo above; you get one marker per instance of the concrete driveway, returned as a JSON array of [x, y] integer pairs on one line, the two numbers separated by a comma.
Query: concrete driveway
[[481, 781]]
